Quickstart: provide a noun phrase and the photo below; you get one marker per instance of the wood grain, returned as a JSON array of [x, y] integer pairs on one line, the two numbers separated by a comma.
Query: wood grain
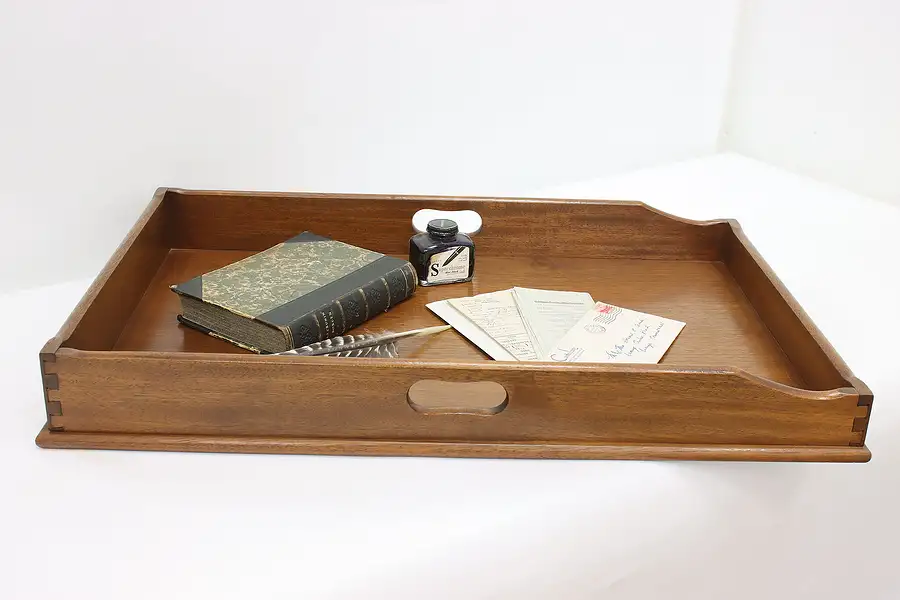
[[513, 227], [723, 328], [863, 411], [109, 302], [793, 330], [750, 377], [182, 393], [274, 445], [436, 397]]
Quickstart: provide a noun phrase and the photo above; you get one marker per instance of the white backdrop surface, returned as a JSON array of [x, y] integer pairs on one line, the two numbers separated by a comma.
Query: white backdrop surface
[[97, 525], [101, 102], [105, 101], [815, 87]]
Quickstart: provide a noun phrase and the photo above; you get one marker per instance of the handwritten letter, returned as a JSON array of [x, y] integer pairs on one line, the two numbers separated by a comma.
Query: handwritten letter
[[497, 315], [609, 334]]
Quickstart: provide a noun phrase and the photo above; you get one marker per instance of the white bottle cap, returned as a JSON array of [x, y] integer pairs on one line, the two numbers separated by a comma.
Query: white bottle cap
[[468, 221]]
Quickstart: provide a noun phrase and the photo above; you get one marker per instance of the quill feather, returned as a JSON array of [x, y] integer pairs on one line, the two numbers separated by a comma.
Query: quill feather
[[383, 345]]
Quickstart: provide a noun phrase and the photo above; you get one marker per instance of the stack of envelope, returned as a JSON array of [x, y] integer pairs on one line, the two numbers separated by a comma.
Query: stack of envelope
[[524, 324]]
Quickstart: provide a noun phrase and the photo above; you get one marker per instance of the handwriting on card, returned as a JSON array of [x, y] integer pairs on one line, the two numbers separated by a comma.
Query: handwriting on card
[[608, 334], [497, 315]]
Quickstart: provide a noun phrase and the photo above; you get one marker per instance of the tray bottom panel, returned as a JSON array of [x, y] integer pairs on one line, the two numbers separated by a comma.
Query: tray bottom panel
[[276, 445], [723, 328]]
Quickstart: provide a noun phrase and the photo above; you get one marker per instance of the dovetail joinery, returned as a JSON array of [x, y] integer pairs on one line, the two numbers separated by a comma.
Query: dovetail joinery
[[861, 420], [52, 401]]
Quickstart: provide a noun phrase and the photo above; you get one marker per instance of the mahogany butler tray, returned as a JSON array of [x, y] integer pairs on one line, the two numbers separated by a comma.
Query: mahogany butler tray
[[749, 378]]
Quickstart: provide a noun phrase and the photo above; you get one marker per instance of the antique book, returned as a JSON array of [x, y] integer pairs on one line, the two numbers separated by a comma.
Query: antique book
[[304, 290]]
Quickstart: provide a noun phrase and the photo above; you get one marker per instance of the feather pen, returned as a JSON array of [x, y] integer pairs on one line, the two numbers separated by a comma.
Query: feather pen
[[363, 345]]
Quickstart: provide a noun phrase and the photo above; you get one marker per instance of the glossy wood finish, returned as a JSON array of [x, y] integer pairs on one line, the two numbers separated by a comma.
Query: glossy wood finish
[[749, 378]]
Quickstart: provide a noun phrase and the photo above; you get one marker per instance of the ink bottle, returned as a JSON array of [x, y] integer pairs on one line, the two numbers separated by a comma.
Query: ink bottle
[[442, 254]]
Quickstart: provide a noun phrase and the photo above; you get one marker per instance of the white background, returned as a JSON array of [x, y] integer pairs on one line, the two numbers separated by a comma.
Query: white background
[[105, 101], [815, 88], [111, 525], [102, 101]]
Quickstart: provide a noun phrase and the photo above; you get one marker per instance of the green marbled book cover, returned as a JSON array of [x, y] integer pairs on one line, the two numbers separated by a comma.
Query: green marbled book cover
[[306, 289]]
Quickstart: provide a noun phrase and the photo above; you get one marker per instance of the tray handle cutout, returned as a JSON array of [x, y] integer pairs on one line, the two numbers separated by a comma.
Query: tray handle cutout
[[435, 397]]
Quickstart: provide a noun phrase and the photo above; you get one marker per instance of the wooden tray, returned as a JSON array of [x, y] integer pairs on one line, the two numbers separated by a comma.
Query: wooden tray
[[749, 378]]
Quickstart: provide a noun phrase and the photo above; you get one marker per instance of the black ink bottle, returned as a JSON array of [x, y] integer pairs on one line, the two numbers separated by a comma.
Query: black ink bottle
[[442, 254]]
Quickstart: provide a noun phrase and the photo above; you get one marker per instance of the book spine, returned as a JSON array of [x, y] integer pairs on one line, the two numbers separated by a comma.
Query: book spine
[[355, 307]]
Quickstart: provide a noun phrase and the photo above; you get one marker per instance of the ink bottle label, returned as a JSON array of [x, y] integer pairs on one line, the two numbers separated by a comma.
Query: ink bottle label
[[449, 266], [442, 254]]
